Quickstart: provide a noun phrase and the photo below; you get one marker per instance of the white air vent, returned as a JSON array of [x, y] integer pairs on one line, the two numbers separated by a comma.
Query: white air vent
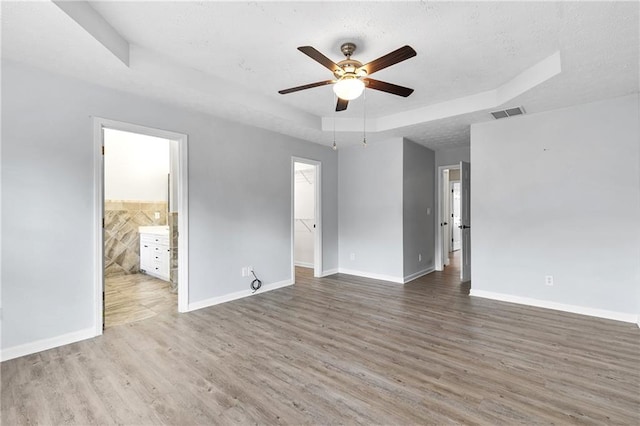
[[510, 112]]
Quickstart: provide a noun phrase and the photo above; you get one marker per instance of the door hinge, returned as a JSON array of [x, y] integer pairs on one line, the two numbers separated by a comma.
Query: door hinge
[[102, 149], [103, 223]]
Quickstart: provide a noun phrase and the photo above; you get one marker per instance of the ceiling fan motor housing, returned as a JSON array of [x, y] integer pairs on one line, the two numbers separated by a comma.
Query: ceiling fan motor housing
[[349, 66]]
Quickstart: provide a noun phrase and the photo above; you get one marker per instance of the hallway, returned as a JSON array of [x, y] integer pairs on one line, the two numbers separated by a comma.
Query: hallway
[[455, 260]]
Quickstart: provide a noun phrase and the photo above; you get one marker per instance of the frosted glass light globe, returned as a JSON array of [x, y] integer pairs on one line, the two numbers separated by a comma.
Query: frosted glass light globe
[[348, 88]]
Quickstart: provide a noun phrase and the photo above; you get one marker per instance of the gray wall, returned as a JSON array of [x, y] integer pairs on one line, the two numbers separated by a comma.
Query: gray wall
[[370, 208], [418, 196], [384, 192], [448, 157], [558, 193], [239, 199]]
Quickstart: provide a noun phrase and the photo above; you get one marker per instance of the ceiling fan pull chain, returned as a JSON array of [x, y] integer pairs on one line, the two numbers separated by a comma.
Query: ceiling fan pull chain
[[334, 146], [364, 121]]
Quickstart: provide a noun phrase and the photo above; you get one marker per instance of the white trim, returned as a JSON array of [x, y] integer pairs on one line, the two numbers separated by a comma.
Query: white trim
[[317, 239], [45, 344], [99, 124], [98, 215], [330, 272], [293, 220], [439, 261], [390, 278], [238, 295], [582, 310], [419, 274], [183, 223], [304, 264], [379, 276]]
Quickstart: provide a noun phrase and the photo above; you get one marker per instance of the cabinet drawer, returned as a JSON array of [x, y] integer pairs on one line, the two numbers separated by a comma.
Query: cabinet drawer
[[160, 267], [160, 257], [154, 239]]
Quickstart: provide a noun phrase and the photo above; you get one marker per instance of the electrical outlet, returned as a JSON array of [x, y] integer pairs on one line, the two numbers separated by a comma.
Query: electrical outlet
[[244, 271], [420, 257], [352, 256], [548, 280], [156, 215]]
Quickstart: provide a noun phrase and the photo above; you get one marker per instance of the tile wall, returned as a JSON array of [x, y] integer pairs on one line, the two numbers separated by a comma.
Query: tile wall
[[173, 235], [122, 218]]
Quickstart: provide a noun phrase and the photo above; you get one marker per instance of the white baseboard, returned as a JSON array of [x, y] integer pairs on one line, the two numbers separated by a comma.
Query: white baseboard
[[418, 274], [304, 264], [592, 312], [328, 272], [391, 278], [45, 344], [237, 295]]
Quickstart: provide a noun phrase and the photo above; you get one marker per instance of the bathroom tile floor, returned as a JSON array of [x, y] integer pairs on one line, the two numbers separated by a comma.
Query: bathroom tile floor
[[130, 298]]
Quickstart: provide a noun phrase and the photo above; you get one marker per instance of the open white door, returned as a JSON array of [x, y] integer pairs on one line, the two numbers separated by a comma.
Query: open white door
[[445, 218], [465, 220]]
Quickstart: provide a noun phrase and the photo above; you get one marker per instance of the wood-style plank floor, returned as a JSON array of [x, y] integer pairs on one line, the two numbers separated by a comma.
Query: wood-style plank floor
[[339, 350], [135, 297]]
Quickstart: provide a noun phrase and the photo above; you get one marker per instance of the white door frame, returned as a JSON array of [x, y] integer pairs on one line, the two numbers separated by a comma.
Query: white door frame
[[99, 124], [445, 208], [439, 218], [317, 238]]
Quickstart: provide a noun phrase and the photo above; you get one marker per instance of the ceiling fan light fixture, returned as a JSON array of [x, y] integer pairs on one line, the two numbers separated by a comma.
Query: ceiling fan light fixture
[[348, 87], [351, 76]]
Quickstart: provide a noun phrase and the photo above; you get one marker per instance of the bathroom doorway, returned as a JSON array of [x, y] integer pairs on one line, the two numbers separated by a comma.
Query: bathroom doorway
[[143, 225]]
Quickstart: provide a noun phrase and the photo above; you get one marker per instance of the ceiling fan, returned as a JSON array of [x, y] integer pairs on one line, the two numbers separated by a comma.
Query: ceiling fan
[[351, 76]]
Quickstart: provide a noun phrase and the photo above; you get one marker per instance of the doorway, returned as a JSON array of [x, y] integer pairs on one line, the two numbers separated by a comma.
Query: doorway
[[306, 220], [453, 239], [142, 222], [454, 184]]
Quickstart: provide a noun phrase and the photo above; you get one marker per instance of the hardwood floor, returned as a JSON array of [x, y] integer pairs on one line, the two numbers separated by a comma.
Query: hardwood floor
[[341, 350], [135, 297]]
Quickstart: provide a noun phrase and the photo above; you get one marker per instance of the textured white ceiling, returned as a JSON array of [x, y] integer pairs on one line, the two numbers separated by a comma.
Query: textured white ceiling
[[230, 59]]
